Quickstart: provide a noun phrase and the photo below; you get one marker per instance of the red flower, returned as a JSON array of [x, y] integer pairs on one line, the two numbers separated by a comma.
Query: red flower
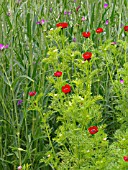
[[126, 28], [62, 25], [86, 34], [93, 129], [99, 30], [32, 93], [58, 74], [126, 158], [66, 89], [87, 56]]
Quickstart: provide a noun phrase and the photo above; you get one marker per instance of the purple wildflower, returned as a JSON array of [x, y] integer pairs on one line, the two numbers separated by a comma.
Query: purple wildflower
[[9, 13], [3, 46], [19, 168], [74, 39], [83, 19], [122, 81], [113, 43], [65, 12], [19, 1], [69, 13], [41, 22], [121, 25], [50, 9], [19, 102], [6, 46], [105, 5], [107, 22], [38, 22]]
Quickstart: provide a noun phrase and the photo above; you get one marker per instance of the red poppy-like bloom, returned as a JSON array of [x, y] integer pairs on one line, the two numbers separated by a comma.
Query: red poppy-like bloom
[[66, 89], [93, 129], [87, 56], [126, 158], [58, 74], [32, 93], [86, 34], [126, 28], [99, 30], [62, 25]]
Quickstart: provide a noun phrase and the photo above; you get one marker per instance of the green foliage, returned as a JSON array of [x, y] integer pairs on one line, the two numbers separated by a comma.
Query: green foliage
[[118, 150]]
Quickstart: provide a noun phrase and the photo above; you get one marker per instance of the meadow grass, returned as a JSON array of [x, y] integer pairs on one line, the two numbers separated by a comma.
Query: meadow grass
[[47, 131]]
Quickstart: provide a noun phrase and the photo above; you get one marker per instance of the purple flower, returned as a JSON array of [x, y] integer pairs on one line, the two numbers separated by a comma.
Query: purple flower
[[122, 81], [3, 46], [19, 1], [41, 22], [105, 5], [113, 43], [19, 168], [50, 9], [9, 14], [83, 19], [38, 22], [69, 13], [19, 102], [65, 12], [121, 25], [74, 39], [107, 22], [6, 46]]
